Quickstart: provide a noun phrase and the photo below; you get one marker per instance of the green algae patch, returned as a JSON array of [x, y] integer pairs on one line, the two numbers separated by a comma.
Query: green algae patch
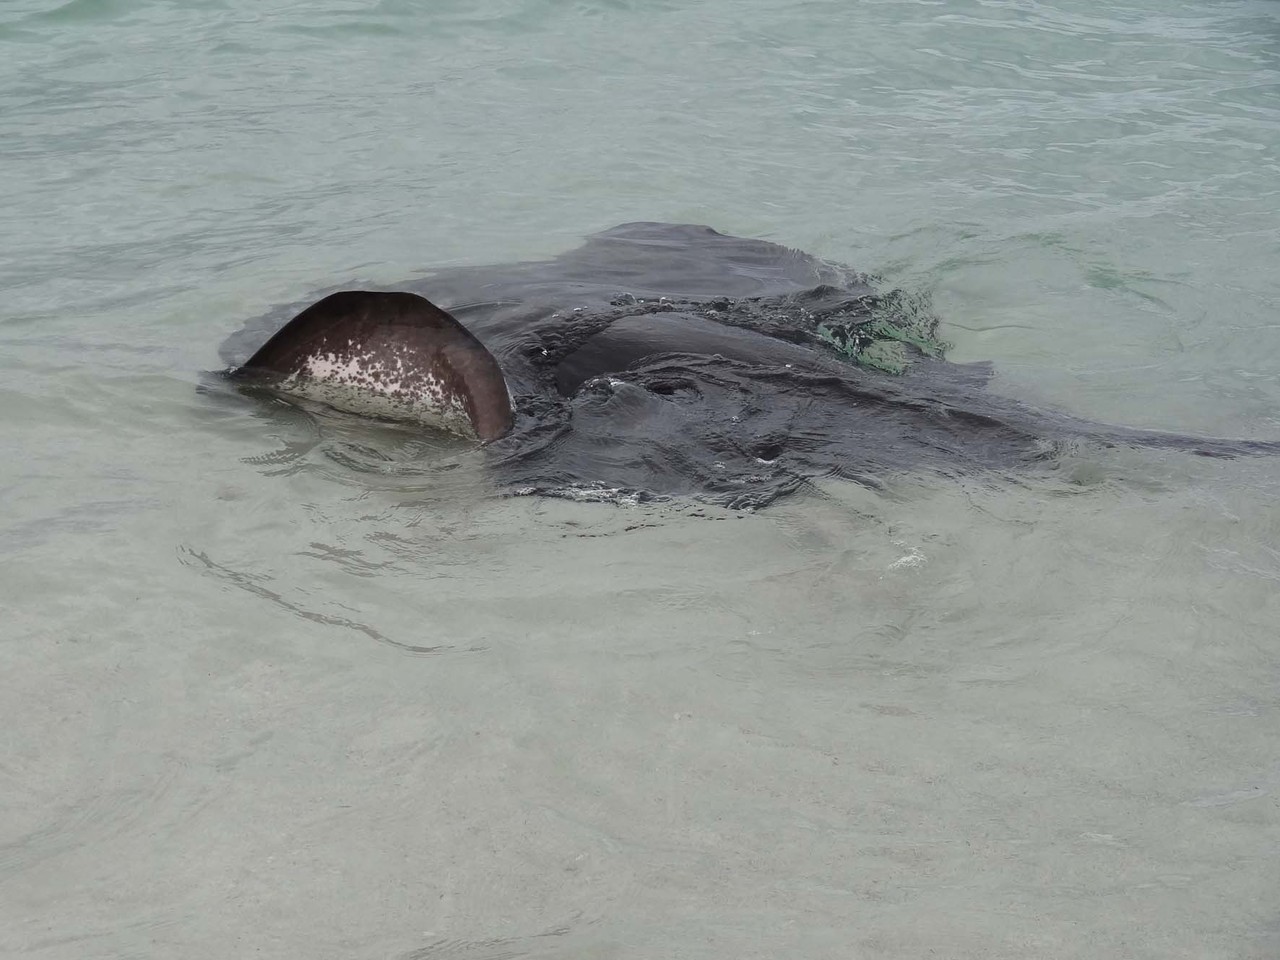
[[886, 333]]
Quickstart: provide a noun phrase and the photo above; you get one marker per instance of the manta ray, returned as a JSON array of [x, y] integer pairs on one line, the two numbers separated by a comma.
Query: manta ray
[[666, 360]]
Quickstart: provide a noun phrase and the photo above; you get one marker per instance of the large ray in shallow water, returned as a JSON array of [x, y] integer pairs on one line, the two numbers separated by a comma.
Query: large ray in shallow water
[[668, 360]]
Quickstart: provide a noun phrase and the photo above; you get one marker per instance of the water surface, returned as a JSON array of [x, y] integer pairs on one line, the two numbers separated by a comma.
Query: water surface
[[271, 686]]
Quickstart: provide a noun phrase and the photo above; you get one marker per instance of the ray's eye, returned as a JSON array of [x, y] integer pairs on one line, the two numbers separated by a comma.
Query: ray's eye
[[535, 352], [675, 388], [767, 451]]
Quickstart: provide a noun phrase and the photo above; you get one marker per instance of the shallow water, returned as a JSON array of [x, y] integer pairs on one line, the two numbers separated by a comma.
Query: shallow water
[[270, 686]]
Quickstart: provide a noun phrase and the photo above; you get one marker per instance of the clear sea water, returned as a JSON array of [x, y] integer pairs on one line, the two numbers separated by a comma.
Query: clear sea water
[[265, 691]]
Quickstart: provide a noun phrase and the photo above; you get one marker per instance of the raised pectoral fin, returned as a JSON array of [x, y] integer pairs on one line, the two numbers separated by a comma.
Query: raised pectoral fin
[[395, 355]]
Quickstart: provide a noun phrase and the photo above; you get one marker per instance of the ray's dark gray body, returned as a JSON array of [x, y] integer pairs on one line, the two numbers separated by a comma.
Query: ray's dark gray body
[[661, 359]]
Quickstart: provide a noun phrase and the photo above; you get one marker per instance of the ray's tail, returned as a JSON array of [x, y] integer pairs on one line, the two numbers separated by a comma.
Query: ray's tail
[[1197, 446]]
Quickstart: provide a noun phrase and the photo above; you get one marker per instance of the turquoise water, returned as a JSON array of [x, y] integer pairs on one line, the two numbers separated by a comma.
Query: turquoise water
[[268, 688]]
